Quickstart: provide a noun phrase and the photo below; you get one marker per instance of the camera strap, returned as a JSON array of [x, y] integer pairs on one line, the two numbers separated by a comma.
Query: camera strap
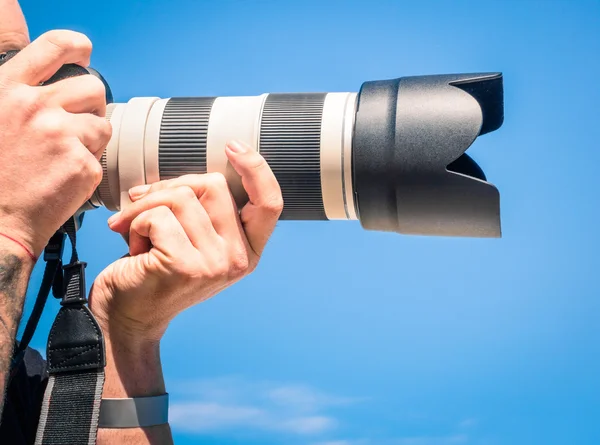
[[52, 280], [75, 352]]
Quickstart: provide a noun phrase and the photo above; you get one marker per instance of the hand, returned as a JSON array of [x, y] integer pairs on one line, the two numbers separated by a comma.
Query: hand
[[187, 243], [51, 137]]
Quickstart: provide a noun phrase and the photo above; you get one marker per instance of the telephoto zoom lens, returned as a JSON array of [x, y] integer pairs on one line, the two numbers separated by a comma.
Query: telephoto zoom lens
[[391, 155]]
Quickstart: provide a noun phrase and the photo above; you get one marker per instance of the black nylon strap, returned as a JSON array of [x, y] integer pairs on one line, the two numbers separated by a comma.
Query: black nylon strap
[[51, 279], [49, 274], [76, 361], [71, 409]]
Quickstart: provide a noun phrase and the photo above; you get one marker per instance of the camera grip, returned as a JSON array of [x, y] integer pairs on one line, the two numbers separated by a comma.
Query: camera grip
[[66, 71]]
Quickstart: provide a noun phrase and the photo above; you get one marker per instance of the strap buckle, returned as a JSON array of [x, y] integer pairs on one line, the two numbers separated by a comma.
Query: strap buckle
[[74, 284], [56, 246]]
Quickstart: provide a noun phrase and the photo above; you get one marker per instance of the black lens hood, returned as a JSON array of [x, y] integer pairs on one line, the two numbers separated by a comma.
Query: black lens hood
[[410, 172]]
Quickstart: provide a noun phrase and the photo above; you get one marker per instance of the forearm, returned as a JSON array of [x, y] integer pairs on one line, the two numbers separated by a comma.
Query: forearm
[[15, 270], [133, 369]]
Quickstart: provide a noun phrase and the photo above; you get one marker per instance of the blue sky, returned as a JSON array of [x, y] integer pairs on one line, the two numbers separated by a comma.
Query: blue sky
[[349, 337]]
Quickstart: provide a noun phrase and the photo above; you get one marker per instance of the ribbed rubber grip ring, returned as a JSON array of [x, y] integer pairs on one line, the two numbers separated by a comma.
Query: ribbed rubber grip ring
[[290, 141], [183, 131], [103, 190]]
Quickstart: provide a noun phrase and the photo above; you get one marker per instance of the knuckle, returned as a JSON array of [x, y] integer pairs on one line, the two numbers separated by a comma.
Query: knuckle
[[78, 160], [153, 188], [192, 268], [239, 265], [83, 161], [92, 176], [96, 172], [185, 194], [219, 268], [32, 100], [258, 163], [51, 125], [95, 86], [25, 99], [217, 181], [162, 212], [65, 41], [107, 129], [59, 40], [185, 269], [138, 221], [104, 130], [273, 206], [163, 218]]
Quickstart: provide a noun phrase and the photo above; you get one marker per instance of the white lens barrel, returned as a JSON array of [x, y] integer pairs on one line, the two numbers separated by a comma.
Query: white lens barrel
[[232, 118], [306, 139], [336, 155]]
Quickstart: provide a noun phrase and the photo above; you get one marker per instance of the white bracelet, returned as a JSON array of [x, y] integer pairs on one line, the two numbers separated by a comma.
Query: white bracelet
[[135, 412]]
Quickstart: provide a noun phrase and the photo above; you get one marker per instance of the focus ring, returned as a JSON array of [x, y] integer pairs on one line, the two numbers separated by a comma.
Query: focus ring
[[290, 142], [103, 190], [103, 187], [182, 143]]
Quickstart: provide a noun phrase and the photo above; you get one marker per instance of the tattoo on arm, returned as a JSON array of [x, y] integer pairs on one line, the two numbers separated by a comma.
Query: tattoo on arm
[[14, 275]]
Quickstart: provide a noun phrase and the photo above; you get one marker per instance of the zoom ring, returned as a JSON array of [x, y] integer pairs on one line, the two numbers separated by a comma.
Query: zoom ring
[[183, 130], [290, 141]]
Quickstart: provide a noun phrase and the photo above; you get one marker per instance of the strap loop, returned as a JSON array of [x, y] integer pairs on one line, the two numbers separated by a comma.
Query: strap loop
[[74, 279]]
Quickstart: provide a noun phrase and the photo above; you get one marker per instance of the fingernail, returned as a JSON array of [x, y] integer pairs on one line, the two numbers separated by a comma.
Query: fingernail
[[237, 147], [113, 218], [139, 191]]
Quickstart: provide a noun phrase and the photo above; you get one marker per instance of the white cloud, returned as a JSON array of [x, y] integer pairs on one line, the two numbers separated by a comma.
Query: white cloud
[[426, 440], [232, 404], [335, 442], [343, 442], [458, 439], [304, 398], [213, 416], [468, 423], [308, 425]]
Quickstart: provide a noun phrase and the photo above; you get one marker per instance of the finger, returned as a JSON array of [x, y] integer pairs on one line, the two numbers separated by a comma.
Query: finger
[[81, 94], [138, 244], [260, 215], [212, 191], [94, 132], [183, 203], [13, 28], [43, 57], [161, 228]]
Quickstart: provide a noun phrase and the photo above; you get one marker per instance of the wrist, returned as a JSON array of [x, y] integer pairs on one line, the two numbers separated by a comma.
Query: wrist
[[21, 231], [133, 367], [119, 319], [11, 244]]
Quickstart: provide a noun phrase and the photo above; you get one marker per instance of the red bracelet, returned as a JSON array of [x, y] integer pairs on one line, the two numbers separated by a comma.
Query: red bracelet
[[31, 255]]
